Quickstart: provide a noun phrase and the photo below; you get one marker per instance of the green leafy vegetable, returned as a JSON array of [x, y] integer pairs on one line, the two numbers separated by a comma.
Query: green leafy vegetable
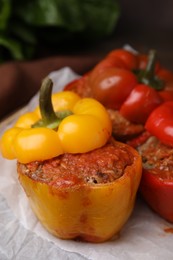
[[5, 11], [24, 25]]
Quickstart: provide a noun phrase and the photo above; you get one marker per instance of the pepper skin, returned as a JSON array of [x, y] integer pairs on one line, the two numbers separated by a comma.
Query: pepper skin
[[156, 190], [158, 194], [93, 213], [160, 123], [156, 186], [140, 103]]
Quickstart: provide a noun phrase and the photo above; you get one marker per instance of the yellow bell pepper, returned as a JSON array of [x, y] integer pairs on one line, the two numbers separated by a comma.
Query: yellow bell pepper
[[80, 125], [27, 120], [7, 148], [93, 213]]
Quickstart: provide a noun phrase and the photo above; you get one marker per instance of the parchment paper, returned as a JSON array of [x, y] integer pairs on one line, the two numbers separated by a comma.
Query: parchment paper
[[144, 236]]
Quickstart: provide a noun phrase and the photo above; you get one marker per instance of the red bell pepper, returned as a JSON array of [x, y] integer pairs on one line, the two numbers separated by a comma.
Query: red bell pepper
[[140, 103], [158, 193], [156, 184], [160, 123]]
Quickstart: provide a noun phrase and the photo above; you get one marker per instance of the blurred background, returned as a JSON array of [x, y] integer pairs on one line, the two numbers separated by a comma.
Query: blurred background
[[39, 36]]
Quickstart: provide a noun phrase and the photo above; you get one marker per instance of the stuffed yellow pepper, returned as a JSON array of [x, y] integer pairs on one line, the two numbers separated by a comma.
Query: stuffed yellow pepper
[[80, 182]]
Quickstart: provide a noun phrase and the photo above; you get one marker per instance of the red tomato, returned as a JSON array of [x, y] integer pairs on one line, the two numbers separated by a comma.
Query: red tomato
[[158, 193], [108, 62], [111, 62], [113, 86], [73, 84], [140, 103], [78, 85], [160, 123], [128, 58], [166, 95], [167, 77]]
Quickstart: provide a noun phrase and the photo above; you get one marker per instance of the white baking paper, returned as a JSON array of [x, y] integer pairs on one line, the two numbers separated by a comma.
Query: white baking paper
[[144, 236]]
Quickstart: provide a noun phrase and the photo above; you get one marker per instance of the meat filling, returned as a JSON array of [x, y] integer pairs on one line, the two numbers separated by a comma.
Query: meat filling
[[123, 129], [157, 157], [102, 165]]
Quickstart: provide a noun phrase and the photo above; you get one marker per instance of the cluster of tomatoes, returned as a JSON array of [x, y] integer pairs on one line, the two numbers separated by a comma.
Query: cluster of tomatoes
[[141, 89], [136, 85]]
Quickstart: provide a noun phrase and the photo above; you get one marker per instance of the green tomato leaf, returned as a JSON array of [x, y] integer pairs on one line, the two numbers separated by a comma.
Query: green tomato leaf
[[101, 16], [26, 24], [51, 13], [5, 12]]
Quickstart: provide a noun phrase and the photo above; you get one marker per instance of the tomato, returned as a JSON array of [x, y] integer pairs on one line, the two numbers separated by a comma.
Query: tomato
[[73, 83], [80, 86], [167, 77], [128, 58], [113, 86], [160, 123], [142, 61], [109, 62], [119, 58], [76, 83], [166, 95], [140, 103], [158, 193], [165, 74]]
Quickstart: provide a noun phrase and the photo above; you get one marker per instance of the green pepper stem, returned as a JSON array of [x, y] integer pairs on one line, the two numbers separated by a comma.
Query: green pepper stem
[[46, 108], [49, 118]]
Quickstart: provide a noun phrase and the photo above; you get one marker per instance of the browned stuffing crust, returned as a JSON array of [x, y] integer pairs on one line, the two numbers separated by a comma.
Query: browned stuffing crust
[[102, 165], [157, 158], [123, 130]]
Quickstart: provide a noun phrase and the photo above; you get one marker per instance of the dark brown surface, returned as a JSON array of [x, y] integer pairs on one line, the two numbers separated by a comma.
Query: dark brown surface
[[143, 24]]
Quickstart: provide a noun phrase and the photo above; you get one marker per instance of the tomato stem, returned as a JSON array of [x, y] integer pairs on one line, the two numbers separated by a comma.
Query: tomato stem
[[148, 75], [49, 118], [150, 68]]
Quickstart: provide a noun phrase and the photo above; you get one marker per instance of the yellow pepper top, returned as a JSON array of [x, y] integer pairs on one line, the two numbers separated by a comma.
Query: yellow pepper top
[[78, 126]]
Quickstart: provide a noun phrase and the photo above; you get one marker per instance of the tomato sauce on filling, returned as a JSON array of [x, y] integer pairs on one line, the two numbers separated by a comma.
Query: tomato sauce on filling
[[157, 158], [102, 165]]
